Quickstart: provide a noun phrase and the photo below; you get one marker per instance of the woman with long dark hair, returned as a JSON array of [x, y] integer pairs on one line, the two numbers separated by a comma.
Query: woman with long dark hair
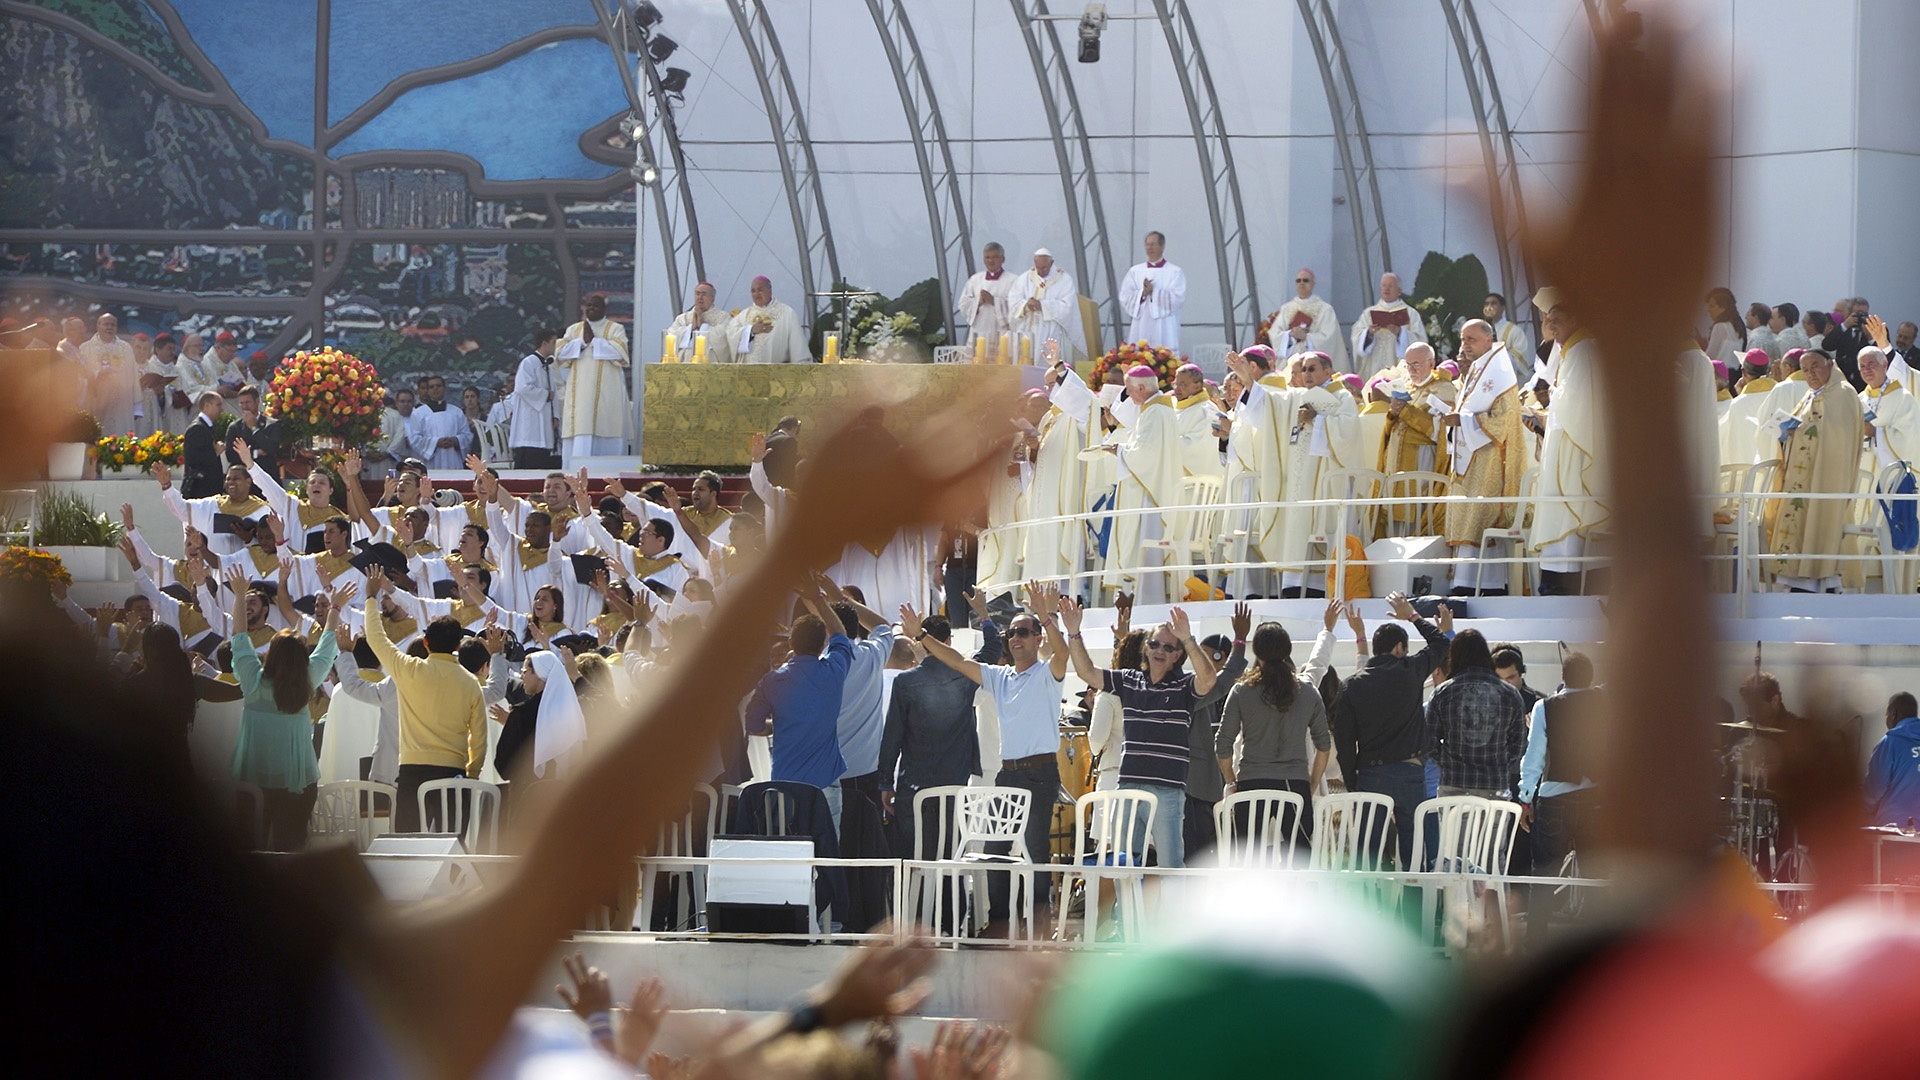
[[1727, 338], [274, 750], [1478, 723], [1269, 714]]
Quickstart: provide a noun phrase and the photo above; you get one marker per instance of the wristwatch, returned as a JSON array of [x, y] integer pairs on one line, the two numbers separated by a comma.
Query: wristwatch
[[806, 1018]]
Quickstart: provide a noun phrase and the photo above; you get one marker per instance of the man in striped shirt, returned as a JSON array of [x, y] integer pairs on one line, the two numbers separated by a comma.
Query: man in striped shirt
[[1157, 707]]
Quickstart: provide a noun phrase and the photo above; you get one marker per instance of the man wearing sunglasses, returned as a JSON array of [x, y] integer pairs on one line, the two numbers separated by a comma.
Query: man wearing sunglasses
[[1306, 323]]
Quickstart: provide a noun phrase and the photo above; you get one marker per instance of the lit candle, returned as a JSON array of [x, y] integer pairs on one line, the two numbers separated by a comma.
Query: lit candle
[[699, 348], [1026, 350], [1006, 348], [833, 349], [668, 355], [979, 349]]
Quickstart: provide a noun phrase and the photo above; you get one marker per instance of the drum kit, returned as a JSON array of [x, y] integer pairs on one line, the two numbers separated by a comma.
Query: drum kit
[[1751, 816]]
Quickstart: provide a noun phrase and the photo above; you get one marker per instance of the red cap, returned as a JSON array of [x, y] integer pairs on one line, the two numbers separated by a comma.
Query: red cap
[[224, 337]]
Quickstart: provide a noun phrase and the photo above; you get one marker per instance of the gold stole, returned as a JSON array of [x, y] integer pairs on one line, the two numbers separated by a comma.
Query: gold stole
[[611, 622], [334, 565], [467, 613], [240, 507], [311, 515], [192, 623], [531, 556], [265, 560], [551, 629], [262, 637], [709, 521], [455, 562], [644, 567], [426, 549], [1191, 400]]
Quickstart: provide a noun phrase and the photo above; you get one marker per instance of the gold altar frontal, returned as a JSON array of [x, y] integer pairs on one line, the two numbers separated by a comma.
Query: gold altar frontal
[[704, 414]]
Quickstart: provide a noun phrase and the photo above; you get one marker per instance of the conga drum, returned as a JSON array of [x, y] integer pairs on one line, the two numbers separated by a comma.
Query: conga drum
[[1075, 758]]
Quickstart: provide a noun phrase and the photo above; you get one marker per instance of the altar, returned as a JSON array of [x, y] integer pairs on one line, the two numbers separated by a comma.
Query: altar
[[704, 414]]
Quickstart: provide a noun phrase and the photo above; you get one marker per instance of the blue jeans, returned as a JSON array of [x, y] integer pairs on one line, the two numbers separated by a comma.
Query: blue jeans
[[1403, 782], [1168, 823]]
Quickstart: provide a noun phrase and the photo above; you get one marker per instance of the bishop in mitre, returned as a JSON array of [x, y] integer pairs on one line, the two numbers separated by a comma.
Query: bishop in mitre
[[1044, 305], [1254, 468], [593, 355], [1570, 455], [1148, 469], [1319, 423], [1152, 296], [1306, 323], [1199, 443], [702, 319], [1058, 488], [1820, 443], [1382, 332], [767, 331], [1739, 421], [1487, 449], [983, 300], [1412, 438], [1892, 415]]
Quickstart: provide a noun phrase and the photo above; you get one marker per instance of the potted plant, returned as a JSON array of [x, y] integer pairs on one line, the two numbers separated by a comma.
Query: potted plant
[[128, 456], [84, 540], [67, 460]]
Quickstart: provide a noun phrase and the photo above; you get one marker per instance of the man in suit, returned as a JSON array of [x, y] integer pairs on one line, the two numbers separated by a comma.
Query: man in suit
[[261, 434], [202, 468]]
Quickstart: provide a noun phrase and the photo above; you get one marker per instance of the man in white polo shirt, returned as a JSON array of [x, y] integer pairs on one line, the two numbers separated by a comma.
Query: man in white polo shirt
[[1026, 695]]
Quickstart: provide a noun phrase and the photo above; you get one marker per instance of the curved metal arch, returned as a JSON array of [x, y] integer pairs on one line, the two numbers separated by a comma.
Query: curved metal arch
[[1061, 104], [1505, 201], [680, 246], [805, 200], [947, 218], [1351, 139], [1239, 297]]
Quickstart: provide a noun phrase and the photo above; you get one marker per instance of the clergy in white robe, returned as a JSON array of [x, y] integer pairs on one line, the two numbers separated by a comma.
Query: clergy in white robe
[[1000, 542], [1254, 469], [767, 331], [1148, 466], [1382, 332], [1054, 551], [1306, 323], [1570, 462], [437, 432], [1512, 334], [1320, 423], [113, 378], [1698, 388], [702, 320], [1790, 386], [1152, 295], [982, 304], [1740, 419], [1892, 416], [1199, 444], [593, 414], [534, 435], [1045, 306]]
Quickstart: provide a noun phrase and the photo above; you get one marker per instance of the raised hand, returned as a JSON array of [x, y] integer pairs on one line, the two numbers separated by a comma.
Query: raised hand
[[244, 452], [1877, 330], [343, 595], [1355, 622], [590, 994], [276, 527], [126, 516], [1331, 617], [615, 488], [1181, 628], [757, 446], [163, 474], [1397, 604], [475, 464], [962, 1051], [1444, 619], [1243, 620], [976, 602], [640, 1020], [910, 621], [350, 465], [1071, 612]]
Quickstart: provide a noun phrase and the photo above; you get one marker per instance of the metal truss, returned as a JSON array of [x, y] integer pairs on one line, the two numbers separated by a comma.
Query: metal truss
[[1350, 137], [1086, 218], [794, 147], [946, 216], [1232, 246], [1505, 201], [679, 225]]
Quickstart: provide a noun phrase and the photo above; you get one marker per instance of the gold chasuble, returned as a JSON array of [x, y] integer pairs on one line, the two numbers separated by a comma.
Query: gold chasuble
[[1822, 455]]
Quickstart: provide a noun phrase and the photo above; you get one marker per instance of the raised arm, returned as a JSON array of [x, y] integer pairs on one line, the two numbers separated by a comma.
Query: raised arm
[[1045, 602], [1205, 671], [1071, 612], [911, 625], [869, 618]]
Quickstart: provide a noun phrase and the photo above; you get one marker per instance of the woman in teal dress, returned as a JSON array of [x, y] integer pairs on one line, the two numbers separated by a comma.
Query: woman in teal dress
[[275, 748]]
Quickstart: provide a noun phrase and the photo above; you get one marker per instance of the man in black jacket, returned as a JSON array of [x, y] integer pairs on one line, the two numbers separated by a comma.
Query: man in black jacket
[[258, 431], [930, 731], [202, 470], [1379, 727]]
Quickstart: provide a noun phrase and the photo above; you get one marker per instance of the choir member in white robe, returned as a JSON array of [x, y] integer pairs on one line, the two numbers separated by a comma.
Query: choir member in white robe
[[594, 354], [530, 560], [1382, 332], [983, 300], [1570, 457], [1149, 469], [437, 432], [1892, 416], [1053, 552], [1320, 423], [534, 435], [1511, 334], [702, 320], [767, 331], [1152, 295], [113, 378], [1306, 323], [1045, 306], [1255, 472], [1199, 445], [1000, 546]]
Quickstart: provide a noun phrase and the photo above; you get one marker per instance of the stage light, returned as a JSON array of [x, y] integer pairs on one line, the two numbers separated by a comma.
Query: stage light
[[675, 81], [645, 16], [632, 127], [1092, 22], [660, 46]]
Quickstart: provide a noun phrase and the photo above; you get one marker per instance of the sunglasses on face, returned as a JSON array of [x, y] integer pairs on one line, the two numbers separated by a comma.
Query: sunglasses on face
[[1023, 631], [1161, 646], [1303, 281]]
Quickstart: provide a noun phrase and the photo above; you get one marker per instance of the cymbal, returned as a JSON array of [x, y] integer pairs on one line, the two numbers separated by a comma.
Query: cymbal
[[1759, 729]]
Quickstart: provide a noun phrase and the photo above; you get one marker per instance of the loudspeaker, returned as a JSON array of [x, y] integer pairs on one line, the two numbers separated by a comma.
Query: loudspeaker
[[745, 894], [409, 881]]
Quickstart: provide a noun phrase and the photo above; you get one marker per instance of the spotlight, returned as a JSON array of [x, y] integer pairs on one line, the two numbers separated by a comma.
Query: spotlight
[[645, 16], [675, 81], [642, 168], [632, 127], [1092, 22], [660, 46]]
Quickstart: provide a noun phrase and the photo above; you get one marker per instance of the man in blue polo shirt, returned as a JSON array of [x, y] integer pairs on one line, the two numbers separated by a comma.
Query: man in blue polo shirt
[[801, 701]]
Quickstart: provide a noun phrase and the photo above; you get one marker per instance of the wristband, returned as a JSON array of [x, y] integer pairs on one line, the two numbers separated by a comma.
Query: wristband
[[1239, 641], [600, 1027], [1075, 636]]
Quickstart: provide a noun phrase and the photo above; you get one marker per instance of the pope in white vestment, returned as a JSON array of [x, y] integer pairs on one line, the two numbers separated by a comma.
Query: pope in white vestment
[[1149, 471], [702, 320], [1045, 306], [1570, 457], [1317, 442], [1152, 296], [1059, 482], [1255, 470], [1382, 332], [593, 413], [767, 331], [1000, 541], [982, 303], [1307, 323]]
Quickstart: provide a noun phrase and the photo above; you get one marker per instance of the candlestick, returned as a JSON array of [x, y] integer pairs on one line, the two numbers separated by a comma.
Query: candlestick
[[1006, 349], [833, 349], [668, 355], [699, 348], [979, 349], [1026, 350]]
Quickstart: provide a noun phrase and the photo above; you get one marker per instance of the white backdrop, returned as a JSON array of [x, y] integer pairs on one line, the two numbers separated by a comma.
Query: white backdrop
[[1823, 153]]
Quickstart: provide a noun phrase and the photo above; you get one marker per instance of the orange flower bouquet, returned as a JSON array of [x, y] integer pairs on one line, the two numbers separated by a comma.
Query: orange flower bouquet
[[330, 398]]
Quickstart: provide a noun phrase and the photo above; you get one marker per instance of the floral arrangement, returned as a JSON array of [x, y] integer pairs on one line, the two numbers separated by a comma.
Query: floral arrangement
[[901, 330], [130, 451], [328, 397], [1162, 360], [1260, 336], [33, 569]]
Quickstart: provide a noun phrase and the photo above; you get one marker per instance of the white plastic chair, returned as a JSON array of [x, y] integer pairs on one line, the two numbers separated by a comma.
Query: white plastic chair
[[468, 807], [19, 516], [1420, 518], [926, 888], [1516, 536], [956, 354], [1352, 830], [1190, 532], [996, 815], [1329, 523], [351, 808], [691, 836], [1211, 358], [1266, 842], [1116, 828], [1503, 832], [1863, 515]]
